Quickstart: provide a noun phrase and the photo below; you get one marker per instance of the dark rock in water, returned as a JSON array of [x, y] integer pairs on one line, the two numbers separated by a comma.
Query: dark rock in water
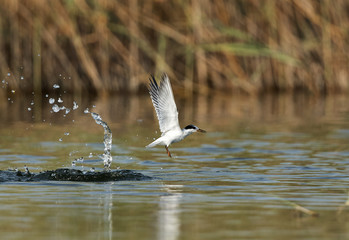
[[13, 176], [66, 174]]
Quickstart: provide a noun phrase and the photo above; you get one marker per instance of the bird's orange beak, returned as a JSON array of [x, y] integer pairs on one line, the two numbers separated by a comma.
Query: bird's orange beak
[[201, 130]]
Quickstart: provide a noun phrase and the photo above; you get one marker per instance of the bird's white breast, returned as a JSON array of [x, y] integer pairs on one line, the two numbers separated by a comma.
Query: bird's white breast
[[172, 136]]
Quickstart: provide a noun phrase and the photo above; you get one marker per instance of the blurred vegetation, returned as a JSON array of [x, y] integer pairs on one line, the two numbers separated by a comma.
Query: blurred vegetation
[[244, 46]]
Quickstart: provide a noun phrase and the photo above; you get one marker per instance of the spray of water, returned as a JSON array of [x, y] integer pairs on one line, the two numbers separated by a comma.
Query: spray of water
[[106, 157]]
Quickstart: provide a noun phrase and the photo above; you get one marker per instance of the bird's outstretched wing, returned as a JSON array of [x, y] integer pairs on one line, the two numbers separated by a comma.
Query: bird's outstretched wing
[[164, 103]]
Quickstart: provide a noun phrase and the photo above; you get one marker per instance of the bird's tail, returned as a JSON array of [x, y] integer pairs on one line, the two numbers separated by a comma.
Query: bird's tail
[[153, 144]]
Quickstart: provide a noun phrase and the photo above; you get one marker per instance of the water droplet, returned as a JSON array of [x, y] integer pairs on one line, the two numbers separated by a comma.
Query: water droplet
[[91, 155], [59, 100], [3, 81], [32, 103], [56, 86], [29, 109], [8, 74], [13, 91], [55, 108], [92, 169], [51, 100], [75, 105], [67, 110], [80, 159], [93, 106], [66, 133], [22, 78], [46, 95], [86, 110], [73, 163], [60, 139]]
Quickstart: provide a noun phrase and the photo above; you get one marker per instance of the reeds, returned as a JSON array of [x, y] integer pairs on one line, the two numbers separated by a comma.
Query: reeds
[[233, 46]]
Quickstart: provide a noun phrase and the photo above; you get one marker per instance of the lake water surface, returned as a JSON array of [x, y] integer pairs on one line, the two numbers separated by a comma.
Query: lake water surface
[[261, 158]]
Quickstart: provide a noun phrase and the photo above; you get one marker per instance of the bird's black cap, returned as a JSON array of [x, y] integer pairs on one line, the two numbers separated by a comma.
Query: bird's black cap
[[191, 126]]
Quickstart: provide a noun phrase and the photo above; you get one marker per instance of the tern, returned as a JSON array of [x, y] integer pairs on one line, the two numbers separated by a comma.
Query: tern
[[166, 111]]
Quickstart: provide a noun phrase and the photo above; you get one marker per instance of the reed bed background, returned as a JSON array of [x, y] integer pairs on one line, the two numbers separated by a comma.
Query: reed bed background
[[243, 46]]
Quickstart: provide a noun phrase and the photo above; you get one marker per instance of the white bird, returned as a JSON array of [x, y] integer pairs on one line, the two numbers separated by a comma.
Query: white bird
[[166, 111]]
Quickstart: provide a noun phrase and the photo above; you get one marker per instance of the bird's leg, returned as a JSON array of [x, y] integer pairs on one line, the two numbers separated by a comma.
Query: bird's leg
[[168, 152]]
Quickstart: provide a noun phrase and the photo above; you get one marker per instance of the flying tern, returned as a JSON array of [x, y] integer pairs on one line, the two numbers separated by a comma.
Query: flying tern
[[166, 111]]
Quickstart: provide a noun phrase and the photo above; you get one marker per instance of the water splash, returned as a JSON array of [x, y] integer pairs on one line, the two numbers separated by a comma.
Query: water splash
[[51, 100], [106, 157], [75, 105], [56, 108], [55, 86], [26, 169], [80, 159]]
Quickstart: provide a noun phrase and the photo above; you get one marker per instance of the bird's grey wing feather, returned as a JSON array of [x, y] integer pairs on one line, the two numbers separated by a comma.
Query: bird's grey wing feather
[[164, 103]]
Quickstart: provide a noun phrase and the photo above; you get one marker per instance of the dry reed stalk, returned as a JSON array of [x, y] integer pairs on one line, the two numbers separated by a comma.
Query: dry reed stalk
[[247, 46], [198, 35], [189, 71], [37, 82], [4, 68], [134, 30], [66, 23]]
